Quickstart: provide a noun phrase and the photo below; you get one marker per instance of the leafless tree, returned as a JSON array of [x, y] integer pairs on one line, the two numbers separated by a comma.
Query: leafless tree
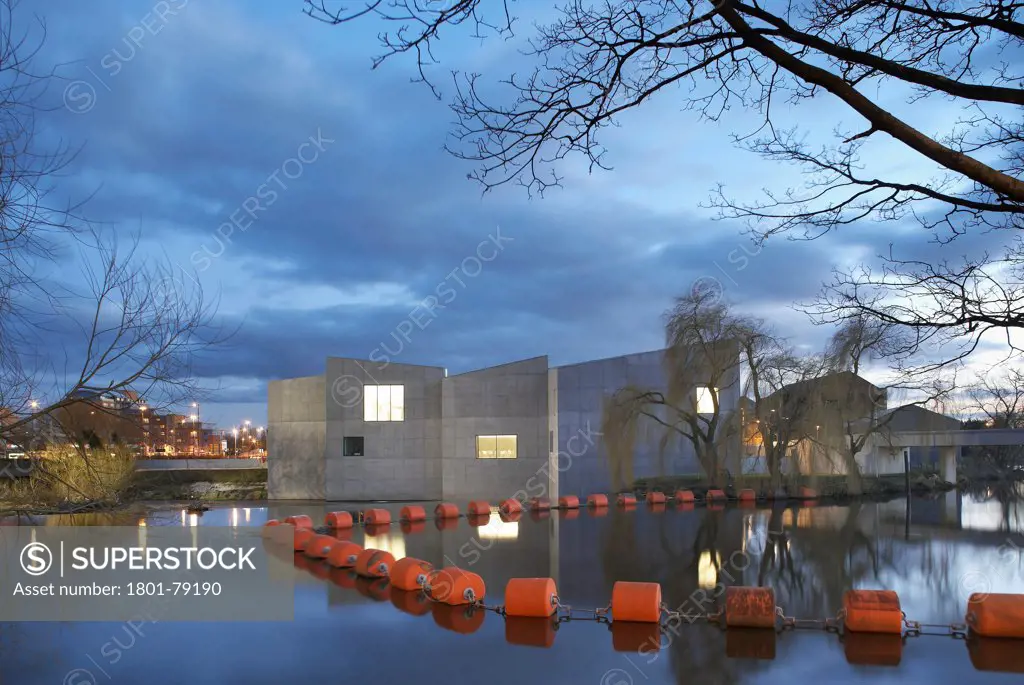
[[998, 397], [126, 323], [596, 61]]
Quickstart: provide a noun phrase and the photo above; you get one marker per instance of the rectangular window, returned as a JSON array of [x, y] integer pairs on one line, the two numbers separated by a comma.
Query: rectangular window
[[384, 403], [496, 447], [352, 446], [706, 399]]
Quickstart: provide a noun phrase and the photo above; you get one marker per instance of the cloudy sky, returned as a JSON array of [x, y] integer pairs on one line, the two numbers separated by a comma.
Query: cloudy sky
[[184, 118]]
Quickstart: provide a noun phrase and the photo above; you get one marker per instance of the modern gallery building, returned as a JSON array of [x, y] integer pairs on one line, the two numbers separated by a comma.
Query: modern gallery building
[[369, 431]]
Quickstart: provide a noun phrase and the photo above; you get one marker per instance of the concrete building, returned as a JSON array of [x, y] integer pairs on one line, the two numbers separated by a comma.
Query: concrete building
[[368, 431]]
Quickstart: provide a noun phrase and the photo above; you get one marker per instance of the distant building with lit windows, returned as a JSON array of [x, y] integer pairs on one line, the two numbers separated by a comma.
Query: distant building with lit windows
[[386, 431]]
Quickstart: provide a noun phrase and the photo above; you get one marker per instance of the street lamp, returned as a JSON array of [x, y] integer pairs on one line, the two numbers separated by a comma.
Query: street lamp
[[234, 445]]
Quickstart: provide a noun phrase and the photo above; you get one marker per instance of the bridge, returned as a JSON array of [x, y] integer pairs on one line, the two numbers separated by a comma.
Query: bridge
[[948, 442]]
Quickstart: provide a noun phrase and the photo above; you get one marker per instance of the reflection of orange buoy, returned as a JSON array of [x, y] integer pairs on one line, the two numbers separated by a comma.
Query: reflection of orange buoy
[[510, 506], [343, 534], [446, 510], [319, 570], [995, 654], [461, 619], [873, 649], [872, 611], [510, 517], [597, 511], [685, 506], [569, 502], [343, 577], [636, 602], [540, 514], [626, 499], [410, 574], [303, 536], [748, 504], [478, 507], [750, 607], [657, 508], [750, 643], [746, 495], [477, 520], [540, 503], [446, 523], [415, 603], [300, 521], [410, 527], [412, 512], [568, 514], [374, 563], [535, 597], [374, 529], [997, 615], [716, 506], [597, 500], [630, 636], [301, 561], [376, 517], [683, 496], [338, 519], [377, 589], [344, 555], [453, 585], [319, 546], [529, 631], [655, 497]]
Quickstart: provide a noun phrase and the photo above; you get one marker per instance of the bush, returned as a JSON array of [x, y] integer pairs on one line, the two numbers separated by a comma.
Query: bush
[[64, 475]]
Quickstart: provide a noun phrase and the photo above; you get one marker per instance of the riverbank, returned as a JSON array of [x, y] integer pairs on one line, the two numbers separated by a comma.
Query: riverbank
[[205, 485]]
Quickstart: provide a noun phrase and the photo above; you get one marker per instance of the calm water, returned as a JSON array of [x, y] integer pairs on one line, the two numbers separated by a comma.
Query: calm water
[[344, 631]]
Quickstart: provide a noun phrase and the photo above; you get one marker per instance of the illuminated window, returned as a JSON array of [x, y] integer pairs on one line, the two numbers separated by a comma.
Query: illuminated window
[[384, 403], [496, 447], [706, 399]]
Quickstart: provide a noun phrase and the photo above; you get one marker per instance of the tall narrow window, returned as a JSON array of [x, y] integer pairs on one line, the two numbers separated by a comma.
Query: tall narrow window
[[384, 403], [706, 399], [497, 447]]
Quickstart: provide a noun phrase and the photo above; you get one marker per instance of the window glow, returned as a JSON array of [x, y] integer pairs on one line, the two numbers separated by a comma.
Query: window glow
[[707, 569], [384, 403], [496, 529], [497, 447], [387, 542], [706, 399]]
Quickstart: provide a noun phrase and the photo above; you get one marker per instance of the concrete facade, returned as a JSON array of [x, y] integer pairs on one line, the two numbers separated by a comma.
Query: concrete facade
[[431, 454]]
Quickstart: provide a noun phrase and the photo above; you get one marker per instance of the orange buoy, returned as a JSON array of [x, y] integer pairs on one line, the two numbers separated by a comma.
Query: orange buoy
[[873, 649], [626, 499], [715, 495], [568, 514], [376, 517], [462, 619], [477, 520], [746, 495], [446, 510], [319, 546], [683, 497], [750, 643], [414, 603], [655, 497], [412, 513], [535, 597], [872, 611], [568, 502], [597, 500], [478, 507], [510, 506], [410, 527], [510, 517], [529, 631], [808, 493], [641, 638], [300, 521], [998, 615], [639, 602], [540, 503], [409, 573], [454, 586], [998, 654], [377, 589], [303, 536], [343, 577], [374, 563], [344, 554], [749, 607], [338, 519], [446, 523]]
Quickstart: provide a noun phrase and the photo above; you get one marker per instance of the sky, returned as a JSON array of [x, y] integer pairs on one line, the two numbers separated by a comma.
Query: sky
[[185, 114]]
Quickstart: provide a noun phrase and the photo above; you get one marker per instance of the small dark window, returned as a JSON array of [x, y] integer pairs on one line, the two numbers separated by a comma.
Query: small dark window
[[352, 447]]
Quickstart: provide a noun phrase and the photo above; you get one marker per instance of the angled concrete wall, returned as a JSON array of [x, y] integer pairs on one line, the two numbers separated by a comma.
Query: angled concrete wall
[[503, 400], [296, 433], [401, 458]]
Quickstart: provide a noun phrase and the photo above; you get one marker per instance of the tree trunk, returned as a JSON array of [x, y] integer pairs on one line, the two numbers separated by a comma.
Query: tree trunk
[[854, 482]]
